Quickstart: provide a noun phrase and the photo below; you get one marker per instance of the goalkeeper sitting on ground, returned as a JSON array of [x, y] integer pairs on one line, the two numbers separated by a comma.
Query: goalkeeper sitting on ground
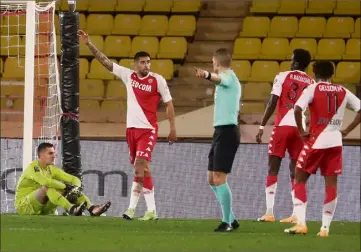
[[42, 188]]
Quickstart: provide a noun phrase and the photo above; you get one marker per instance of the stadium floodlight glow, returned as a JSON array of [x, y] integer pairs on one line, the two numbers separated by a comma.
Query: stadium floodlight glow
[[72, 5]]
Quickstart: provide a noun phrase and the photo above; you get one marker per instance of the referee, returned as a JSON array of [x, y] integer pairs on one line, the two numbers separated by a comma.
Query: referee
[[226, 137]]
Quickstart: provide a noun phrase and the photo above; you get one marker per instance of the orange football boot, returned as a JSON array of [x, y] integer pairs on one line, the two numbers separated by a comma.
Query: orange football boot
[[267, 218], [297, 229], [291, 219]]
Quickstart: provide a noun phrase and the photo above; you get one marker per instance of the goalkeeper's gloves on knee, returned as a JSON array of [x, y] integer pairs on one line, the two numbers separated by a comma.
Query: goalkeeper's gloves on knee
[[72, 193]]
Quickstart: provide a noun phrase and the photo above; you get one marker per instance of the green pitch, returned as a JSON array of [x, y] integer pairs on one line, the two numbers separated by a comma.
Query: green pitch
[[60, 233]]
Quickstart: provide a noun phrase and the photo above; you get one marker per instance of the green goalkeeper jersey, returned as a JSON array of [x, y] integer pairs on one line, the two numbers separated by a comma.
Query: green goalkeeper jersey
[[34, 177]]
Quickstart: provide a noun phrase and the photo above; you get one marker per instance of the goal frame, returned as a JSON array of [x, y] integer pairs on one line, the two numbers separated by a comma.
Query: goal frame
[[29, 78]]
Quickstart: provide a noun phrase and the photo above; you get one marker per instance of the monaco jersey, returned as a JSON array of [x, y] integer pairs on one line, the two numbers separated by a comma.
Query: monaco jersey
[[327, 103], [288, 86], [143, 96]]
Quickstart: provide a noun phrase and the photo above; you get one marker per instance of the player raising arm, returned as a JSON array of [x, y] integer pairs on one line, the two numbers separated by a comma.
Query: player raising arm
[[42, 188], [323, 143], [144, 92], [226, 137], [287, 88]]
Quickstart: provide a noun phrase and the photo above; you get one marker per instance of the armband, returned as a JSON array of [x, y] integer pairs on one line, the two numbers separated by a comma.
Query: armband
[[261, 127]]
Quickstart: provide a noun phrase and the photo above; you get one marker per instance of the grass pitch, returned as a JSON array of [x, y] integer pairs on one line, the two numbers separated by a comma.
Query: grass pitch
[[60, 233]]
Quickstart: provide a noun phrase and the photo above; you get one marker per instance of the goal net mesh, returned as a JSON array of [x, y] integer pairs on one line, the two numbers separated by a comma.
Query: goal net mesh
[[46, 105]]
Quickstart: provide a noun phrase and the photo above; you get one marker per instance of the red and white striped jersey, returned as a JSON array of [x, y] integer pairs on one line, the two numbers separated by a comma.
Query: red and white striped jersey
[[143, 96], [288, 86], [327, 103]]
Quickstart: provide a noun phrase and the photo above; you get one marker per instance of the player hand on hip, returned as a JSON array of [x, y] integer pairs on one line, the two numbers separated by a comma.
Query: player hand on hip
[[259, 136], [304, 135], [344, 133], [200, 73], [172, 137], [84, 36]]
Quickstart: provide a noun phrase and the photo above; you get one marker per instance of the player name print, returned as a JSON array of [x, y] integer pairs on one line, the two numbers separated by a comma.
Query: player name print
[[329, 88], [144, 87], [301, 78], [324, 120]]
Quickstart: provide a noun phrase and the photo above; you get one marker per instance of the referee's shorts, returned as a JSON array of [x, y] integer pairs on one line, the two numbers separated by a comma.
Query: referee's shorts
[[226, 139]]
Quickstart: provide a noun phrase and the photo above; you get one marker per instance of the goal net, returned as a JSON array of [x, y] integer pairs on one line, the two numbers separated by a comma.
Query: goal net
[[30, 92]]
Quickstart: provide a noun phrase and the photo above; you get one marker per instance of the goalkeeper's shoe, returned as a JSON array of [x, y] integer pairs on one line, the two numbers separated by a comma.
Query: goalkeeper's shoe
[[78, 209], [150, 215], [267, 218], [297, 229], [129, 214], [97, 210], [291, 219], [323, 233], [224, 227]]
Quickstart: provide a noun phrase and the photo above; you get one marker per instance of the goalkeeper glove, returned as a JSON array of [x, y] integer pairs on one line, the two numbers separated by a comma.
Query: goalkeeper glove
[[72, 193]]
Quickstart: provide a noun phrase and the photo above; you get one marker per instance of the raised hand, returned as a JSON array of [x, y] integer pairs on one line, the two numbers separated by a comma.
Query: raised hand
[[84, 36]]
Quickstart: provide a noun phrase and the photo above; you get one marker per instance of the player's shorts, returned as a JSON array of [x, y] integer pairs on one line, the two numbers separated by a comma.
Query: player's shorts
[[328, 160], [141, 143], [226, 140], [285, 138], [29, 205]]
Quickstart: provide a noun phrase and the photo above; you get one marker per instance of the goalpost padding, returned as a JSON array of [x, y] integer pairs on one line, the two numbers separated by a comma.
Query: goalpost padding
[[69, 25]]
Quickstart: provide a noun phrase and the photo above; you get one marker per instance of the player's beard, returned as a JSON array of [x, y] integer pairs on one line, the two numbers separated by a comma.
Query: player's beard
[[143, 73]]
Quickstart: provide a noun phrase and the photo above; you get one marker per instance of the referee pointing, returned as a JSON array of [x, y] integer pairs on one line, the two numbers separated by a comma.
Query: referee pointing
[[226, 137]]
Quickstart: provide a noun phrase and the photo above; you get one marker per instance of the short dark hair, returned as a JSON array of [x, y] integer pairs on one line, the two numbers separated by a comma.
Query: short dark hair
[[323, 69], [302, 57], [43, 146], [140, 55], [224, 56]]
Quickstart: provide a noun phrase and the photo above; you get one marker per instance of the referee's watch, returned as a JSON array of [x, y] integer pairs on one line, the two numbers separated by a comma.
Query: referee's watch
[[261, 127]]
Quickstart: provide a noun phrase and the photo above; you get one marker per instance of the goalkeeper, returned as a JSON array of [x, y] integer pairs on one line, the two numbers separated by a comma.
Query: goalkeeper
[[42, 188]]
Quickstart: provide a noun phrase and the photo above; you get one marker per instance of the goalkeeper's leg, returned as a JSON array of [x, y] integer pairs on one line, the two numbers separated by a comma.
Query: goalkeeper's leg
[[40, 198], [94, 210]]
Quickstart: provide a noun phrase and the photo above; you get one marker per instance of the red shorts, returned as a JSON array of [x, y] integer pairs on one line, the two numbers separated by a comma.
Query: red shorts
[[328, 160], [285, 138], [141, 143]]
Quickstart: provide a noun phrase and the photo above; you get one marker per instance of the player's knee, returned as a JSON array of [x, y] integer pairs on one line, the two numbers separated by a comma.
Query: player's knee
[[331, 181], [147, 173], [219, 178], [41, 195], [141, 163], [274, 164], [301, 177], [43, 189]]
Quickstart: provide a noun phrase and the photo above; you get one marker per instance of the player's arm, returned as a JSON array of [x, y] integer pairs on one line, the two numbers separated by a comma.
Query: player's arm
[[213, 77], [107, 63], [170, 111], [354, 104], [170, 114], [35, 174], [301, 104], [271, 105], [61, 175]]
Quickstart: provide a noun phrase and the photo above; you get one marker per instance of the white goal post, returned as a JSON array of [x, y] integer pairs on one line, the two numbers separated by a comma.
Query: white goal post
[[30, 86]]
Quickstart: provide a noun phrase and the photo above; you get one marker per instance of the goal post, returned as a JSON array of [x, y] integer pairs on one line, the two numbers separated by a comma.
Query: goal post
[[29, 84], [30, 88]]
